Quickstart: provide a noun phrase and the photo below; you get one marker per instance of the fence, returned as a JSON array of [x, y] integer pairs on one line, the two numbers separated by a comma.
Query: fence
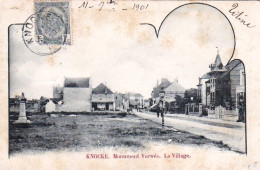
[[221, 113]]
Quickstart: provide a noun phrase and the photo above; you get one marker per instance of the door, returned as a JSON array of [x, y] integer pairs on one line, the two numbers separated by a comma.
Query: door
[[107, 106]]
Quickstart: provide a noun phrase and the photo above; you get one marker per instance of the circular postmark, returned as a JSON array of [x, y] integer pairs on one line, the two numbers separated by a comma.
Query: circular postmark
[[44, 33]]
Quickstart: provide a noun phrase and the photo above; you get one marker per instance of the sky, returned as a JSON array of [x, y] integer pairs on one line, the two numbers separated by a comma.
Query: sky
[[114, 49]]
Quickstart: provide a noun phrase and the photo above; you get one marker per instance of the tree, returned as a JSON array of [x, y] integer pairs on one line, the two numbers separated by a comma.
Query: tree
[[191, 96], [150, 102], [180, 103], [42, 102], [172, 106], [167, 106]]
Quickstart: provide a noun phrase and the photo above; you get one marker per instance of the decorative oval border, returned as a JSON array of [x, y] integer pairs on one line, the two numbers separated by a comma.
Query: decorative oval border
[[196, 3]]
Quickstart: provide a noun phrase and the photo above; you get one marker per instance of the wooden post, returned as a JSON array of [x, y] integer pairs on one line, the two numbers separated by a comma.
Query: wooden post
[[162, 120], [162, 106]]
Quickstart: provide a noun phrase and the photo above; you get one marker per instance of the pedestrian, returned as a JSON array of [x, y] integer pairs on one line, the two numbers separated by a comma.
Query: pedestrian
[[241, 109]]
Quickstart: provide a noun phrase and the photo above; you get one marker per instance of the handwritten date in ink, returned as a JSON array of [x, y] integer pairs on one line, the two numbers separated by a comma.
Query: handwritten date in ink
[[140, 7], [112, 5]]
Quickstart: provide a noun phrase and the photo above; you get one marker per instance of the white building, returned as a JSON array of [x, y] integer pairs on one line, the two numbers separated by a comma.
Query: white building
[[75, 96], [173, 90]]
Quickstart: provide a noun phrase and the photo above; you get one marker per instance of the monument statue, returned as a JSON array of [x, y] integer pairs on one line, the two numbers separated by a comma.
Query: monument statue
[[22, 111]]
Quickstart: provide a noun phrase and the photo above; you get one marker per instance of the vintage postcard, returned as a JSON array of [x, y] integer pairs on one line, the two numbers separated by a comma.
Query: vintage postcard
[[129, 84]]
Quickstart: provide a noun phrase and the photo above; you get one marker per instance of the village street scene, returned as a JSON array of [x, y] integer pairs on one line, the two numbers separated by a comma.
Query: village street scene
[[79, 116]]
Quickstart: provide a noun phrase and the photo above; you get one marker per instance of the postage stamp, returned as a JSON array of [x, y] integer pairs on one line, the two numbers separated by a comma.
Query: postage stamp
[[53, 22]]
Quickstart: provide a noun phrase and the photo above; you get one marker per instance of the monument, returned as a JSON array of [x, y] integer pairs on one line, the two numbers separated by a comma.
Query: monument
[[22, 112]]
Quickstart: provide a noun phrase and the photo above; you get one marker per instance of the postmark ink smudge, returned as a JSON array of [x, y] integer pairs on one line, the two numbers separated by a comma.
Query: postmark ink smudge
[[37, 44]]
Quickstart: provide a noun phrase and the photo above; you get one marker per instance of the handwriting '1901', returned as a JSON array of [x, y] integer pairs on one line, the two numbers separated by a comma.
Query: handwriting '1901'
[[112, 5]]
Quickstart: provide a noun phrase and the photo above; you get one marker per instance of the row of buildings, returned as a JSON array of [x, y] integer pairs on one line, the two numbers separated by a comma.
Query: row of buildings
[[77, 95], [34, 105], [220, 92]]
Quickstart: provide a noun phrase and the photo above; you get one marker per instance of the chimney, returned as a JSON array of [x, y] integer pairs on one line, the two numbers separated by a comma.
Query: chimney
[[163, 80], [176, 80]]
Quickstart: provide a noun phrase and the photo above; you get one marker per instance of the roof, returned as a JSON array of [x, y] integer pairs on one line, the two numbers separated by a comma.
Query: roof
[[156, 105], [55, 100], [102, 89], [230, 66], [206, 76], [175, 86], [164, 83], [138, 95], [218, 61], [217, 66], [77, 82], [217, 69], [209, 75]]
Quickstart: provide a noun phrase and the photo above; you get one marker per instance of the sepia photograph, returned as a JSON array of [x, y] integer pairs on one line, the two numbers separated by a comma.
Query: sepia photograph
[[147, 84], [76, 109]]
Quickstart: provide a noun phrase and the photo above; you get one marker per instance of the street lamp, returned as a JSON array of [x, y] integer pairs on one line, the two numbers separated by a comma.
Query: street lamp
[[161, 106], [192, 104]]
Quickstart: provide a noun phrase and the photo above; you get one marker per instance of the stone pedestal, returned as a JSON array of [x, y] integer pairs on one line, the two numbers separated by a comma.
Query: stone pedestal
[[22, 115]]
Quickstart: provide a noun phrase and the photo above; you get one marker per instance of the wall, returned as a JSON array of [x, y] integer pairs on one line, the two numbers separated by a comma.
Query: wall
[[118, 101], [170, 96], [76, 100], [103, 97], [235, 80], [50, 107], [203, 92], [14, 108], [57, 92]]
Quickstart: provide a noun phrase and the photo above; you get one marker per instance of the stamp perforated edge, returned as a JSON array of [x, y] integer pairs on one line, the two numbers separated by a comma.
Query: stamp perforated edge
[[70, 17]]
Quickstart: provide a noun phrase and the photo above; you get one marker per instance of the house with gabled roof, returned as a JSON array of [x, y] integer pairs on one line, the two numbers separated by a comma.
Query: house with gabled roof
[[173, 90], [103, 98], [216, 70], [223, 86], [135, 100], [158, 88]]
